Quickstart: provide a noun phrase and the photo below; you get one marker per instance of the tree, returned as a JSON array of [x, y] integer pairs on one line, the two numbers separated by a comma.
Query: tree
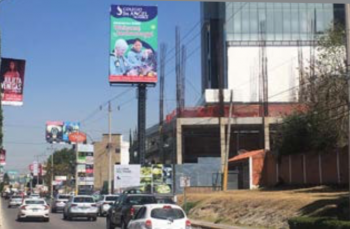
[[324, 124], [64, 162], [6, 179]]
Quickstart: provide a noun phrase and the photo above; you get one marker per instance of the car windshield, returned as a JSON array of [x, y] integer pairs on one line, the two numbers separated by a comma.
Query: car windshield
[[65, 197], [29, 202], [167, 213], [111, 198], [140, 200], [83, 200]]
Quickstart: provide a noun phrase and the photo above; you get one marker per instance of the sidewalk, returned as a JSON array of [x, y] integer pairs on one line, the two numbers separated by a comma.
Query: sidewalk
[[206, 225]]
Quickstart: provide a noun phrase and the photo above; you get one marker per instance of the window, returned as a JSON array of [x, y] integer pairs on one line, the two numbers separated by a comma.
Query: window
[[140, 200], [111, 198], [31, 202], [167, 213], [83, 200], [140, 213]]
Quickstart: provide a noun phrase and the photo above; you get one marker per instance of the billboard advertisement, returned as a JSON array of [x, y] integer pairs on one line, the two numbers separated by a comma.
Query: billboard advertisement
[[12, 81], [68, 128], [2, 157], [156, 178], [133, 44], [54, 131]]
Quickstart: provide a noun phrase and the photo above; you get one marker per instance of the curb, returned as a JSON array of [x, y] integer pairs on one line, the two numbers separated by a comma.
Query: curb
[[206, 225]]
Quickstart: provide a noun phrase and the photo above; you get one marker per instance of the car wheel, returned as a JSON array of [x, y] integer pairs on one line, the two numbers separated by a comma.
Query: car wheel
[[109, 224], [94, 218], [19, 219], [64, 216], [9, 206], [53, 210], [123, 225]]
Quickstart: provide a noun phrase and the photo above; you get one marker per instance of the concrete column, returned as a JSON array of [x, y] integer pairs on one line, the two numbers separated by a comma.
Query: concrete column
[[222, 144], [267, 133], [178, 141]]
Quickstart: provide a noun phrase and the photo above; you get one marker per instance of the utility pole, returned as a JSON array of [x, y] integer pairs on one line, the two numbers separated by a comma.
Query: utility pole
[[163, 50], [347, 22], [76, 169], [227, 148], [109, 148]]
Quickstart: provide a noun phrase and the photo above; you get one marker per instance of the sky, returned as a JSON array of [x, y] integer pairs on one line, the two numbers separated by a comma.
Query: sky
[[66, 47]]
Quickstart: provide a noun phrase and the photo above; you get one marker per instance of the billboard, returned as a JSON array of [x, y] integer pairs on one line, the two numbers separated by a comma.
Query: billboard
[[156, 178], [68, 128], [59, 132], [133, 44], [54, 131], [12, 81]]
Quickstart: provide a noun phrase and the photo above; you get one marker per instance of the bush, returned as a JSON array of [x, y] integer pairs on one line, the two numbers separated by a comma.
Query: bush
[[317, 223]]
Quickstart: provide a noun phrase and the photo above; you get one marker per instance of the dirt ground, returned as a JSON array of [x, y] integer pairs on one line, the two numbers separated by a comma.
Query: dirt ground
[[263, 208]]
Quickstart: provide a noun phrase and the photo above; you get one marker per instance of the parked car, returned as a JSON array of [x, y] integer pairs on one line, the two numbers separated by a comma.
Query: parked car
[[15, 201], [59, 202], [105, 203], [80, 206], [125, 207], [167, 216], [33, 209]]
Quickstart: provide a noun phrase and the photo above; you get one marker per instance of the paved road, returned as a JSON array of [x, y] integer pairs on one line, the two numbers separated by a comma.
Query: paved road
[[56, 222]]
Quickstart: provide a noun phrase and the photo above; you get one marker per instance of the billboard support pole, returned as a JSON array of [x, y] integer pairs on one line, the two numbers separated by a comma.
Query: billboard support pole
[[109, 148], [142, 90], [52, 171]]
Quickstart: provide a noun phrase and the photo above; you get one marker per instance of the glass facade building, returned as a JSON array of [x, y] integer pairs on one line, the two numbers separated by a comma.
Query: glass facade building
[[283, 21]]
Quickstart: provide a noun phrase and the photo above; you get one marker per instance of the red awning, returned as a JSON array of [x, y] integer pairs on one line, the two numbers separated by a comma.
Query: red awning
[[246, 155]]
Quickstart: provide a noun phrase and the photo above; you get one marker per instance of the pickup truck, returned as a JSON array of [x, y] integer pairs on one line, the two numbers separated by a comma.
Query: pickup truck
[[122, 211]]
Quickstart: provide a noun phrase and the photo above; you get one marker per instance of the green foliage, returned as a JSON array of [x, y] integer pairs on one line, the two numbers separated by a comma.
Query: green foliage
[[63, 164], [324, 126], [304, 132], [317, 222], [6, 179], [188, 206]]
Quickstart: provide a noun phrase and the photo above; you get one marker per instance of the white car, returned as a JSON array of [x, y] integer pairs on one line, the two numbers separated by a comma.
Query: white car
[[164, 216], [80, 206], [15, 201], [105, 202], [34, 209], [34, 196]]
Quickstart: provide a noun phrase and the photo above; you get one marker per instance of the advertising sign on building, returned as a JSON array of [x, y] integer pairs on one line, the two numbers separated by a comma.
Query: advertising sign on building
[[60, 178], [35, 168], [12, 81], [85, 167], [133, 44], [153, 179]]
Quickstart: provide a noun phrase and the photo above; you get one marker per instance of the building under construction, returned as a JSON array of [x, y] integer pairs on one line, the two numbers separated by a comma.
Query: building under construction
[[260, 57]]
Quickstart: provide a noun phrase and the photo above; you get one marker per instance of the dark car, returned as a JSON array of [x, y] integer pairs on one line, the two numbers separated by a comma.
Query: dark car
[[125, 207]]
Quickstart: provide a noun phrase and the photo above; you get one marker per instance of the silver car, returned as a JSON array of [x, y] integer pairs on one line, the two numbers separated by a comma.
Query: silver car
[[59, 202], [80, 206], [105, 203], [15, 201]]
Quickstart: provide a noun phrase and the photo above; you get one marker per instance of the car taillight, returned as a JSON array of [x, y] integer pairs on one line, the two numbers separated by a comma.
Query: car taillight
[[46, 207], [132, 211], [148, 224], [166, 207], [105, 203], [74, 205], [188, 224], [93, 205], [23, 207]]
